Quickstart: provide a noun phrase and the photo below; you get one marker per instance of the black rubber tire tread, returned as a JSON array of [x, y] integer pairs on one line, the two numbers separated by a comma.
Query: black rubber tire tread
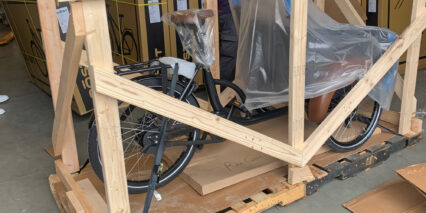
[[361, 139]]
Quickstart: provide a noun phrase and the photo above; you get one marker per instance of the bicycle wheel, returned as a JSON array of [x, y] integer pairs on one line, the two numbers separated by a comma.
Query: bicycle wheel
[[358, 127], [39, 56], [138, 128], [129, 46]]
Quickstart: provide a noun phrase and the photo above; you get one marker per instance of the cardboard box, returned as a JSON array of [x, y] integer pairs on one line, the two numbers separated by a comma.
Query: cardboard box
[[405, 194], [141, 32], [136, 33], [136, 30], [334, 12], [396, 15], [25, 23]]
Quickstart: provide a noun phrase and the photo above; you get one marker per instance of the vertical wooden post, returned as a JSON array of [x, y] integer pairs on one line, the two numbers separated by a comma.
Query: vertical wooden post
[[106, 109], [215, 68], [54, 52], [409, 86], [296, 129]]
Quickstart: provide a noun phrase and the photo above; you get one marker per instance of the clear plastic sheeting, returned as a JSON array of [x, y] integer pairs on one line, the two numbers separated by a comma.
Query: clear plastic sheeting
[[336, 55], [195, 29]]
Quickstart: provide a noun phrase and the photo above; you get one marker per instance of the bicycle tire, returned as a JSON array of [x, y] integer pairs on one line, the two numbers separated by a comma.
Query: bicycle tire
[[135, 187], [125, 42], [339, 145], [39, 54]]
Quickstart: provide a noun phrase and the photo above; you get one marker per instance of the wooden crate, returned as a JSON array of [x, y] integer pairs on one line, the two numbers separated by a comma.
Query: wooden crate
[[88, 26], [260, 192]]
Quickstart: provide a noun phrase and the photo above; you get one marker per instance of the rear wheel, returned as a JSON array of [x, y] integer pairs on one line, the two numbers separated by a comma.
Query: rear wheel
[[139, 129], [358, 127]]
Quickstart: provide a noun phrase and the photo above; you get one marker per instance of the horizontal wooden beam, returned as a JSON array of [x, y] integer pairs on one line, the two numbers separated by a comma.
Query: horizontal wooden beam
[[363, 87], [72, 53], [131, 92]]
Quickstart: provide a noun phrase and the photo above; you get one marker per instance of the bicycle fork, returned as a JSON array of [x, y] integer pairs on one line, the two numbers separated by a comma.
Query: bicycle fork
[[157, 167]]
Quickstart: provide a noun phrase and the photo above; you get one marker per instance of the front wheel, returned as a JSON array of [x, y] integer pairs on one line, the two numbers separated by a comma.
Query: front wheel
[[139, 129], [358, 127]]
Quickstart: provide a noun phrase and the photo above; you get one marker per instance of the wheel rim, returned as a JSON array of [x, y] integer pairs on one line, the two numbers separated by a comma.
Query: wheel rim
[[138, 165], [359, 125]]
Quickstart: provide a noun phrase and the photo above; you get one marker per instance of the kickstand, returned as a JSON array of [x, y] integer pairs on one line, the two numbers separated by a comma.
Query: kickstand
[[157, 167]]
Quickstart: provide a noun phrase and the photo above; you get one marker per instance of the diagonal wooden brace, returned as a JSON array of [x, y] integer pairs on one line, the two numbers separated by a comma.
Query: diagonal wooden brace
[[73, 48], [363, 87], [109, 84]]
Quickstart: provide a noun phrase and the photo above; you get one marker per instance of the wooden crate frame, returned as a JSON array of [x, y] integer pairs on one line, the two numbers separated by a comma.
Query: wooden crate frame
[[88, 25]]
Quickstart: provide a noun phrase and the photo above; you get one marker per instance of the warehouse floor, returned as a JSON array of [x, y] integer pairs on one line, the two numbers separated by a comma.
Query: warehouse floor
[[26, 128]]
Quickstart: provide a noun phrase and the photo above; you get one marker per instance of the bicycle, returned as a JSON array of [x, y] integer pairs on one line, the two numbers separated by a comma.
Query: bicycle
[[146, 135], [128, 45], [37, 50]]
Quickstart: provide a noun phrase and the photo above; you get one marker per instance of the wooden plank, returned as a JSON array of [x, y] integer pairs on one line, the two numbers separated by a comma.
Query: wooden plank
[[362, 88], [283, 198], [300, 174], [216, 166], [106, 83], [298, 25], [320, 4], [226, 96], [411, 66], [54, 52], [53, 181], [215, 68], [98, 48], [74, 204], [299, 20], [71, 184], [399, 84], [92, 195], [72, 54], [349, 12]]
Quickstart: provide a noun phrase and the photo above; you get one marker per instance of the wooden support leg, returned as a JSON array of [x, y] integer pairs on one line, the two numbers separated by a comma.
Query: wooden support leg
[[410, 74], [54, 52], [106, 109], [299, 18]]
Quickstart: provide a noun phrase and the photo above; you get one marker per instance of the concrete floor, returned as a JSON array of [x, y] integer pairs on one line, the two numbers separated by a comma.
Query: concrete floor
[[26, 128]]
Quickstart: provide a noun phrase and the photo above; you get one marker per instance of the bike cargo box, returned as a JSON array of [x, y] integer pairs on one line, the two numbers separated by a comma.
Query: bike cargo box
[[24, 20]]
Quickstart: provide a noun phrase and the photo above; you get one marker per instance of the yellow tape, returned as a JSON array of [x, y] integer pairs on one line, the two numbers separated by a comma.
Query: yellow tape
[[116, 53], [119, 32], [145, 4], [33, 56], [20, 1]]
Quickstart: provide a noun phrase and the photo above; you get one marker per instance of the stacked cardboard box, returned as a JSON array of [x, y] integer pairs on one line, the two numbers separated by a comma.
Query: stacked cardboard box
[[136, 32], [24, 21], [396, 15]]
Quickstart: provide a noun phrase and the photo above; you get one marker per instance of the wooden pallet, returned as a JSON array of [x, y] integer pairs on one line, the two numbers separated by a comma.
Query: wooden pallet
[[258, 193]]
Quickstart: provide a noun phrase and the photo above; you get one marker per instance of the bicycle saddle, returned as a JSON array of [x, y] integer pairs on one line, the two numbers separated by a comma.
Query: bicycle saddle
[[187, 16]]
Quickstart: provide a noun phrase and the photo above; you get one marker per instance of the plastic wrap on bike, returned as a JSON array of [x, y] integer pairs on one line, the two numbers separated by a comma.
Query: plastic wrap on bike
[[195, 29], [336, 55]]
